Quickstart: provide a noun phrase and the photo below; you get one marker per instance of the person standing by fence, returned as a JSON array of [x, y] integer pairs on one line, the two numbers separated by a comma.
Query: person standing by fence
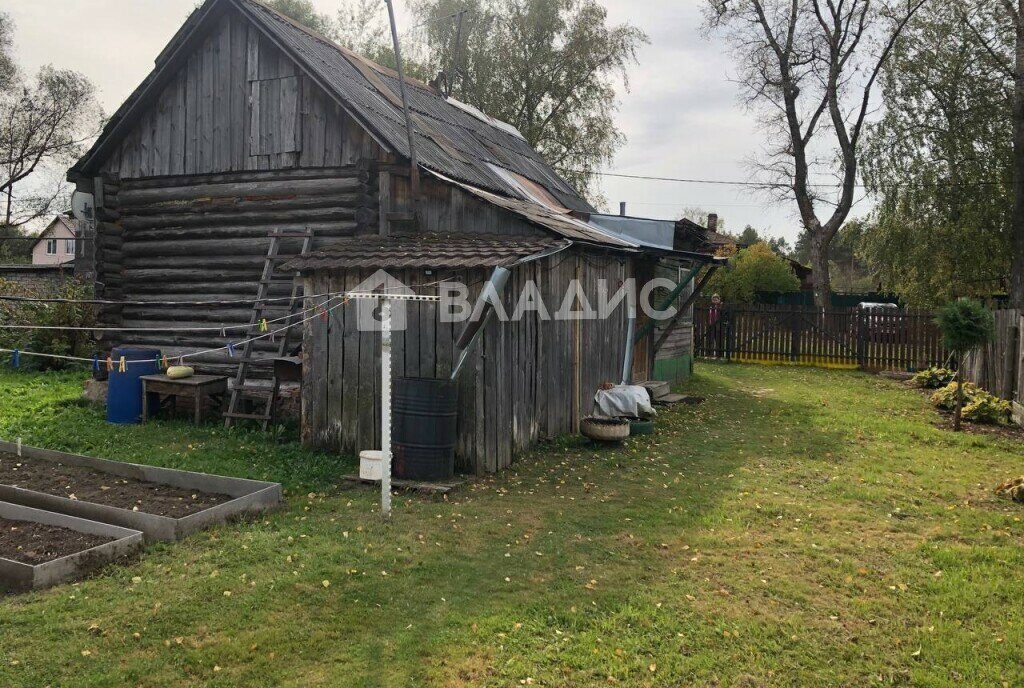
[[716, 329]]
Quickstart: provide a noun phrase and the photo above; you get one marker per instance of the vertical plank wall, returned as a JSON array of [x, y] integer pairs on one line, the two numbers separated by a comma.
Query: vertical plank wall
[[238, 103], [525, 380]]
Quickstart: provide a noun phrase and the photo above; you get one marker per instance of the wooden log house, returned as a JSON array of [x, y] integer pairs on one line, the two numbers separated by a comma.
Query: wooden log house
[[250, 123]]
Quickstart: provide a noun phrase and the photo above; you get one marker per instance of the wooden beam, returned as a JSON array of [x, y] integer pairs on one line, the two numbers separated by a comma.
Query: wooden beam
[[678, 317]]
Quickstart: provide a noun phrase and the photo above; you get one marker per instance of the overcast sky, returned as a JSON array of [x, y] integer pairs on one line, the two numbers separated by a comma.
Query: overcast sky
[[682, 117]]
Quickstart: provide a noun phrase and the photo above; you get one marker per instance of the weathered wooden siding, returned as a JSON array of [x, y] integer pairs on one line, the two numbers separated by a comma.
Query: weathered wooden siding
[[238, 103], [447, 208], [525, 379], [680, 340]]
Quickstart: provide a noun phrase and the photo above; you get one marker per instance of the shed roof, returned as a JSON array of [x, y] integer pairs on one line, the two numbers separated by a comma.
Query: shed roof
[[451, 137], [439, 251]]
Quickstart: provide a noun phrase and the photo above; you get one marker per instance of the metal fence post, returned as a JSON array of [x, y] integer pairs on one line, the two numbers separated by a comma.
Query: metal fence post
[[385, 407], [862, 343]]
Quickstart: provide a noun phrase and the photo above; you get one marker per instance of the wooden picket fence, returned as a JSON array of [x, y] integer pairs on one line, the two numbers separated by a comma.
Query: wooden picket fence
[[894, 339], [999, 366]]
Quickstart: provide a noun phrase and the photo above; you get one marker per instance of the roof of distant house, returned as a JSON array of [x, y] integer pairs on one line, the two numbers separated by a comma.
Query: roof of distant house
[[58, 221]]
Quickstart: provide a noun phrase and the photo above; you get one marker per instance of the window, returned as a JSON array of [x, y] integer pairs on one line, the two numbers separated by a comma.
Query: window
[[51, 247], [69, 247]]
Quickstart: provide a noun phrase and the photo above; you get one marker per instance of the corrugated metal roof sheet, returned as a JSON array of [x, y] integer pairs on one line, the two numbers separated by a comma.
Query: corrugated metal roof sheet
[[560, 223], [449, 139], [437, 251]]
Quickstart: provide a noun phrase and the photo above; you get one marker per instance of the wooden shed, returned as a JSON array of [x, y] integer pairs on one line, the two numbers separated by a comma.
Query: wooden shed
[[251, 124]]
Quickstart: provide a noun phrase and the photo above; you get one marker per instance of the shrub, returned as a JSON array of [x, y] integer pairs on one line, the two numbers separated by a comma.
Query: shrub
[[986, 408], [62, 342], [965, 325], [945, 398], [979, 407], [933, 378]]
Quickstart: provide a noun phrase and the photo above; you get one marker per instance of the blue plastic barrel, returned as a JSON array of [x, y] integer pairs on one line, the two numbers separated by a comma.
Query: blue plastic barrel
[[124, 391]]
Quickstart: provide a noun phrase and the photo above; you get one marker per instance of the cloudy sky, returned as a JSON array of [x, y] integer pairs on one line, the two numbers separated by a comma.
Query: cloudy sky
[[681, 116]]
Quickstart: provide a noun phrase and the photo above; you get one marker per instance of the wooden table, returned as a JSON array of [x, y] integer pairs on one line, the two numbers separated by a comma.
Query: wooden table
[[197, 387]]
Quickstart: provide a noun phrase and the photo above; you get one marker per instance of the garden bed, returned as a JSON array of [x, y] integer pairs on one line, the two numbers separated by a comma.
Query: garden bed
[[163, 503], [39, 548], [86, 484]]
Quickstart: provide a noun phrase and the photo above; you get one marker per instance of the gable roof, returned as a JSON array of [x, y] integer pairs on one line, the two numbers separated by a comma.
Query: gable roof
[[451, 138], [59, 220]]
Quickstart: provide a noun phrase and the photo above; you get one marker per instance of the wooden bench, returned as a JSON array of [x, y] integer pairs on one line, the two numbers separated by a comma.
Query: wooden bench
[[198, 388]]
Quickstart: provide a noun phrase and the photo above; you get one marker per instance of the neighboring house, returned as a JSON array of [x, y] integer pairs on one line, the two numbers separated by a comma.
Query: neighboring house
[[251, 123], [692, 236], [55, 245]]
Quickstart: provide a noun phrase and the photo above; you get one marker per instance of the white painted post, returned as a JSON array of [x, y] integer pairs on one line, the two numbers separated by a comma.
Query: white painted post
[[385, 407]]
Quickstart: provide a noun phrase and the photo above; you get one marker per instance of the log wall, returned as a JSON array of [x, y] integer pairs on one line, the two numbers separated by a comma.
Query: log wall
[[205, 238], [524, 380]]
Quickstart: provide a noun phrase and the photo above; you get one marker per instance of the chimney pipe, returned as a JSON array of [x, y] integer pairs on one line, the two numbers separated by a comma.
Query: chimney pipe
[[712, 222], [622, 208]]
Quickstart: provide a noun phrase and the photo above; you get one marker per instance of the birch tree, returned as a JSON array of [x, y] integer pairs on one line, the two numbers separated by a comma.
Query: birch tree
[[808, 69]]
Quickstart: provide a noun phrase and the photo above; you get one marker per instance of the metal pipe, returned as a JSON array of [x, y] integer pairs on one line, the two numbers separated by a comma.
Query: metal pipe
[[473, 329], [627, 361], [492, 290], [414, 174]]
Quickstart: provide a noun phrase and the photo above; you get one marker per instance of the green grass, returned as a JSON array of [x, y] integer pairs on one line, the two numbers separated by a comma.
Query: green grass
[[800, 528]]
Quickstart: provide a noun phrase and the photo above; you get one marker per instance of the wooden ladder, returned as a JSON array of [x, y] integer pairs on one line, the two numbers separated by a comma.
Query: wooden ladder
[[241, 388]]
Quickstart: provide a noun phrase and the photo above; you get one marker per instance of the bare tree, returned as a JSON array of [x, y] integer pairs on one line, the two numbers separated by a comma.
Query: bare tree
[[43, 126], [809, 67]]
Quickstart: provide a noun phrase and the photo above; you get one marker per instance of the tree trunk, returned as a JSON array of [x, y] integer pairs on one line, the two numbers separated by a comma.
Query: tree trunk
[[958, 407], [819, 265], [1017, 233]]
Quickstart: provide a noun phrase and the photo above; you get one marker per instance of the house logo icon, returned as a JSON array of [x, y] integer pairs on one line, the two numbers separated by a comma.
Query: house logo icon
[[368, 310]]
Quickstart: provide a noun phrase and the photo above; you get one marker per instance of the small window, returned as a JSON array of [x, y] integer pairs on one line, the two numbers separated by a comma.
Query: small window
[[69, 247], [51, 247]]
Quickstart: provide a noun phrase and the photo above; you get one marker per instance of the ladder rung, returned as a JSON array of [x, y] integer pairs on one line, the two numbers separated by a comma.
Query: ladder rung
[[247, 416], [290, 235]]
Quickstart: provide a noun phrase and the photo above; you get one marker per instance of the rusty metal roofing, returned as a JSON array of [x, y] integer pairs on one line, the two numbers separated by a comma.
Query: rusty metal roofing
[[449, 139], [438, 251], [562, 224]]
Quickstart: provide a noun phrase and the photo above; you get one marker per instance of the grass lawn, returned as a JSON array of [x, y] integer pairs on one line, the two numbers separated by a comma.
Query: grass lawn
[[800, 528]]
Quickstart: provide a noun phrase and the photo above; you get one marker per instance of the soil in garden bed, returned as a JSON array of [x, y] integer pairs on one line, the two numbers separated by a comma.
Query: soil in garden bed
[[87, 485], [37, 543]]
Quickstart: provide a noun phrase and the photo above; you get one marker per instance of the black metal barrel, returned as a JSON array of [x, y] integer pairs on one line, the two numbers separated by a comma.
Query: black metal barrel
[[423, 421]]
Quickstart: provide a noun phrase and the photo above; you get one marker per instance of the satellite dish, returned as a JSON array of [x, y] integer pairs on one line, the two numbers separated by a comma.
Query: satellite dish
[[83, 206]]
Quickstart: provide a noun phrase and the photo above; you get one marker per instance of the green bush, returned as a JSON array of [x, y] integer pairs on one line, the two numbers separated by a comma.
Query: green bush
[[979, 405], [945, 398], [933, 378], [62, 342], [986, 408]]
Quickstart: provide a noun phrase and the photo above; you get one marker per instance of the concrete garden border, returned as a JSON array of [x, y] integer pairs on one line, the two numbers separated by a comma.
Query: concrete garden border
[[16, 576], [249, 496]]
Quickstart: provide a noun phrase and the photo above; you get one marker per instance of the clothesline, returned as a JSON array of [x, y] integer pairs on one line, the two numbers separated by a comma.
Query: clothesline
[[321, 311]]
